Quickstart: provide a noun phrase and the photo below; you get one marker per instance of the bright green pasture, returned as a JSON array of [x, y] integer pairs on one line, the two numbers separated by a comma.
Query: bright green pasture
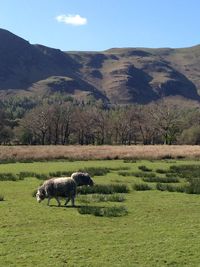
[[161, 228]]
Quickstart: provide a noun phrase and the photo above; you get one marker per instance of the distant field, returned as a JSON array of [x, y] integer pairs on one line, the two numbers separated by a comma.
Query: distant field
[[97, 152], [161, 228]]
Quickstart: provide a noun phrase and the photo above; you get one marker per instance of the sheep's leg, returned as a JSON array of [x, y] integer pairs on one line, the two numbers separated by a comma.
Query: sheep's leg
[[59, 204], [67, 200], [73, 201], [49, 198]]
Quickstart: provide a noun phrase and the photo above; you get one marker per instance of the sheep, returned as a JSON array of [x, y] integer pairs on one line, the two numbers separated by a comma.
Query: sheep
[[63, 187], [57, 187]]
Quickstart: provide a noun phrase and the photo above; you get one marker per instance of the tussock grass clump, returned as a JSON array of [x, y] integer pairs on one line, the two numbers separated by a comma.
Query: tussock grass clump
[[7, 176], [60, 173], [161, 179], [104, 211], [103, 189], [120, 168], [144, 168], [130, 161], [170, 188], [23, 175], [96, 171], [167, 156], [122, 173], [135, 174], [142, 187], [1, 197], [8, 161], [101, 198], [162, 171], [194, 186], [42, 176], [186, 171]]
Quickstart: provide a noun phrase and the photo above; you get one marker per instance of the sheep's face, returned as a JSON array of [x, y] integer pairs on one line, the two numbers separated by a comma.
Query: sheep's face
[[87, 180], [40, 195], [90, 181]]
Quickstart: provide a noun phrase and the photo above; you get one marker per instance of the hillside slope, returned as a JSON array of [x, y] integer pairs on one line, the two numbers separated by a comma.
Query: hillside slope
[[120, 76]]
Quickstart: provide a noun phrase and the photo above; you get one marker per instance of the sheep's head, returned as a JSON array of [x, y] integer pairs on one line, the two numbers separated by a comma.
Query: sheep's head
[[82, 179], [40, 195]]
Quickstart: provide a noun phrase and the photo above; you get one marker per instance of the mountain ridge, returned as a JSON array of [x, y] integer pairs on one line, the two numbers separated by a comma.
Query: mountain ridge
[[116, 75]]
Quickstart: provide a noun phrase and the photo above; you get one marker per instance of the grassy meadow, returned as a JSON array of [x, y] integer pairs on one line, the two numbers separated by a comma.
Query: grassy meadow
[[153, 223]]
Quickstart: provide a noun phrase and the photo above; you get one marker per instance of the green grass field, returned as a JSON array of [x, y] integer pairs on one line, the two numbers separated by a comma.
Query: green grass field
[[160, 229]]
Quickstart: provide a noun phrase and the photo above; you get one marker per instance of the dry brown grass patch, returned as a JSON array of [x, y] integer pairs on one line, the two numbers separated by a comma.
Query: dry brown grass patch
[[97, 152]]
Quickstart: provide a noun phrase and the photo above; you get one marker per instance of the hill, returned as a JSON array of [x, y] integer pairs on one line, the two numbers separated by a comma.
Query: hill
[[118, 75]]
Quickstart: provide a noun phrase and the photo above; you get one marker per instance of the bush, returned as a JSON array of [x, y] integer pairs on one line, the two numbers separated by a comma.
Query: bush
[[142, 187], [161, 179], [103, 189], [144, 168], [104, 211]]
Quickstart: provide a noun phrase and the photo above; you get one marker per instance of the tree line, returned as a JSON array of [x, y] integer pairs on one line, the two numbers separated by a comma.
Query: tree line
[[63, 123]]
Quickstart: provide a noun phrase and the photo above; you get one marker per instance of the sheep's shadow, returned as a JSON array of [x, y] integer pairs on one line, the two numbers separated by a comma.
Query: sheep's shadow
[[74, 207], [61, 206]]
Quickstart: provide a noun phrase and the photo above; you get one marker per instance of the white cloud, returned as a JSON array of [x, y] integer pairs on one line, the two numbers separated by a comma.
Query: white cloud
[[75, 20]]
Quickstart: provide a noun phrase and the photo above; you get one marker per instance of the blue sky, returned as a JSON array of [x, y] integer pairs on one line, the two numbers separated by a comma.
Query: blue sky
[[103, 24]]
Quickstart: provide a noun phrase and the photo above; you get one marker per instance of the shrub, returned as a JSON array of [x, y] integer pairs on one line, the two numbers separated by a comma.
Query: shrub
[[103, 189], [142, 187], [103, 211], [161, 179], [144, 168]]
